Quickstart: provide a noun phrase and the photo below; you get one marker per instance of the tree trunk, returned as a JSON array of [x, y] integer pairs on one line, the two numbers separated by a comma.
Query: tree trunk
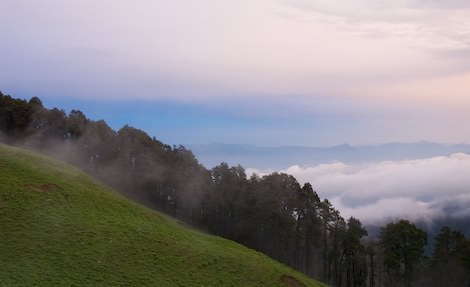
[[324, 255], [372, 275]]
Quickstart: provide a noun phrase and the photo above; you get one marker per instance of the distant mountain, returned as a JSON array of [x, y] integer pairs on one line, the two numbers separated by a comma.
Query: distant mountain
[[284, 156]]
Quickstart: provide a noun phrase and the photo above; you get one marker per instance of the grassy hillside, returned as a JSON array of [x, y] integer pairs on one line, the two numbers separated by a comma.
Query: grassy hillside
[[58, 227]]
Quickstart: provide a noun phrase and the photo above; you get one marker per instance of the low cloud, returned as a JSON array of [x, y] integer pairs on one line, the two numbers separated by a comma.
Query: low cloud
[[421, 189]]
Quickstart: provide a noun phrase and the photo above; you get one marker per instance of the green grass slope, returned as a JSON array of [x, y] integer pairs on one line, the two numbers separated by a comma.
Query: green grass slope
[[58, 227]]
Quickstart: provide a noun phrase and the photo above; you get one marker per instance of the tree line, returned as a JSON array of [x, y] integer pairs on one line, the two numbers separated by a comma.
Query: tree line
[[273, 214]]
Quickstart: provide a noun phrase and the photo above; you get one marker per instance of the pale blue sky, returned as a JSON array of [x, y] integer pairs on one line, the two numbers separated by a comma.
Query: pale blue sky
[[277, 72]]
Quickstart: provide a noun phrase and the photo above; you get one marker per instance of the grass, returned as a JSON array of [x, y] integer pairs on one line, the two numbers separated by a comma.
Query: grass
[[59, 227]]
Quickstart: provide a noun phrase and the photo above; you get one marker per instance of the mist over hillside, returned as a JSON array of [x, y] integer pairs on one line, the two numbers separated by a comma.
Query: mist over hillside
[[62, 228]]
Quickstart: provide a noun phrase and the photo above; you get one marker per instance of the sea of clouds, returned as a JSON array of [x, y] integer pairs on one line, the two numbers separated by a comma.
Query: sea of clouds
[[418, 189]]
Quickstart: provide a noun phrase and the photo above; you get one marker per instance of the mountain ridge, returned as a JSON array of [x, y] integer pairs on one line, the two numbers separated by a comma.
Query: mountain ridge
[[281, 157]]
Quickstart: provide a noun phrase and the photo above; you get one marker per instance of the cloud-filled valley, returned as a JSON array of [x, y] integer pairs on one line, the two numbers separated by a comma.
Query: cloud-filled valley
[[419, 189]]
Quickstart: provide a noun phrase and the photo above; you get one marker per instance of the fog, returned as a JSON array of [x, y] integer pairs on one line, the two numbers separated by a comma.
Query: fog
[[421, 189]]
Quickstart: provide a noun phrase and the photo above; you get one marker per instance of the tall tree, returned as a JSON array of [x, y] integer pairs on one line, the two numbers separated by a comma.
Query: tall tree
[[327, 217], [354, 252], [447, 261], [403, 246]]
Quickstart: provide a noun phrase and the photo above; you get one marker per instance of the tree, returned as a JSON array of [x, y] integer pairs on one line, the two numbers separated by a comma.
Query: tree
[[353, 254], [371, 251], [229, 184], [36, 102], [312, 225], [15, 116], [447, 261], [307, 227], [276, 200], [403, 246], [77, 122], [327, 217]]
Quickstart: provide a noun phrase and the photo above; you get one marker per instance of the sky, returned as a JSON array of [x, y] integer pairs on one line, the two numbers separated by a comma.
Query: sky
[[265, 72]]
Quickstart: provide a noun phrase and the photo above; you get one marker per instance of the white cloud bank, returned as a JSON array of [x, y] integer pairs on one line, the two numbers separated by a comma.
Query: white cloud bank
[[374, 192]]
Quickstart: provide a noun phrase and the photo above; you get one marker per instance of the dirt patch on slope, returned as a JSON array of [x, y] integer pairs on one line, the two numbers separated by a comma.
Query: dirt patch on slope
[[46, 187], [291, 281]]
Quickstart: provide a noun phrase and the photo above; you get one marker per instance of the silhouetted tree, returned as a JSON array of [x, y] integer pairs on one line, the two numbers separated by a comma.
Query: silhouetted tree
[[403, 246], [447, 261]]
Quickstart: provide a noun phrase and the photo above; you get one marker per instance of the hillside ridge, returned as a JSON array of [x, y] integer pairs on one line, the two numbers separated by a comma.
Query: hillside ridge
[[62, 228]]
